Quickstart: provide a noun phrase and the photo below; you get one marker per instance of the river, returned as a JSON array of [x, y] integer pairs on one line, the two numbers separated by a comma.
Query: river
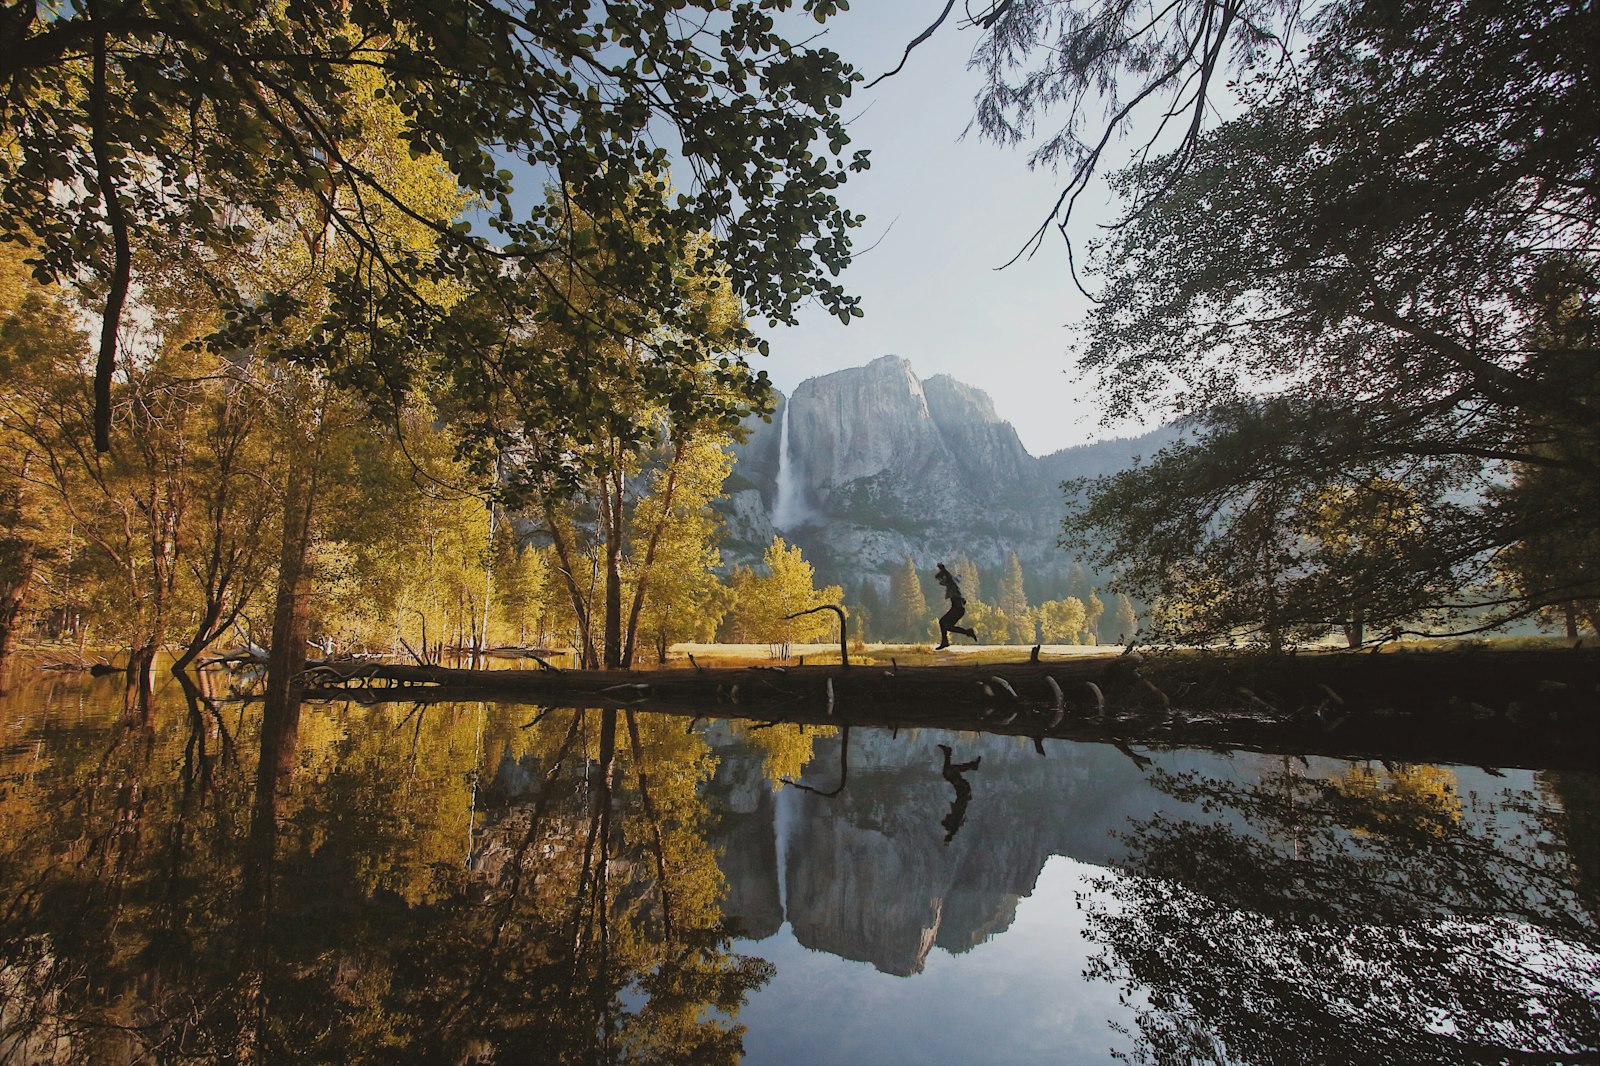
[[498, 883]]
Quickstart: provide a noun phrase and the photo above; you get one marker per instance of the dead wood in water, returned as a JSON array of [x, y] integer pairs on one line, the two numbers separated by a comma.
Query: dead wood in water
[[1538, 709]]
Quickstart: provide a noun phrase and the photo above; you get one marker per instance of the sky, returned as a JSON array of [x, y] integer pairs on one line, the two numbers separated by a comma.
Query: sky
[[943, 213]]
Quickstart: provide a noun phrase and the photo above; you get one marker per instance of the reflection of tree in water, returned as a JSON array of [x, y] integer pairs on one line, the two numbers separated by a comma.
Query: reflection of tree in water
[[1577, 797], [327, 914], [1362, 918], [622, 910]]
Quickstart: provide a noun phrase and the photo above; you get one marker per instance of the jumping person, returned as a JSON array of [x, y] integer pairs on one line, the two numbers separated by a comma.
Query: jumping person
[[958, 607]]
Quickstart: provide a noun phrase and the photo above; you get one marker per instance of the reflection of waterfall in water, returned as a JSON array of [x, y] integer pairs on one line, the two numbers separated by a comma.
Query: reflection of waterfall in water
[[788, 496], [783, 820]]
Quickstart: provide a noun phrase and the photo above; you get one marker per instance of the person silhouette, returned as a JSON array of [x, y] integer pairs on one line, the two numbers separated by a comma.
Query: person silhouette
[[958, 607], [953, 772]]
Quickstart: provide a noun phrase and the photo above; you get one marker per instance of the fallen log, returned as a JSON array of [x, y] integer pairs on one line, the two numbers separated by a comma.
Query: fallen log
[[865, 687], [1496, 708]]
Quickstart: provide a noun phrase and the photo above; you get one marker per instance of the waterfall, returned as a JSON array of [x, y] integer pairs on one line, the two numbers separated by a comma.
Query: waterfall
[[788, 496]]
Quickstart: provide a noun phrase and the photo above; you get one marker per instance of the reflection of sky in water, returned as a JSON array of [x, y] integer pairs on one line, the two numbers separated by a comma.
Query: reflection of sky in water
[[1017, 998]]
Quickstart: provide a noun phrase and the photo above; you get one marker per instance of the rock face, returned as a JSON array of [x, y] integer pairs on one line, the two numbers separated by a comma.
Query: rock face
[[879, 465], [883, 872], [939, 440]]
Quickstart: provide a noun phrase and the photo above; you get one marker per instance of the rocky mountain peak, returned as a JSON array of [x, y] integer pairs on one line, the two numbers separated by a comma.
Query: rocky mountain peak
[[954, 402], [862, 422], [889, 466]]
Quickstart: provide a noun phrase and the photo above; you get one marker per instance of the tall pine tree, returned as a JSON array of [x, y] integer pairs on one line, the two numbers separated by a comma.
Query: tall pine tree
[[1011, 596], [908, 607], [1124, 622]]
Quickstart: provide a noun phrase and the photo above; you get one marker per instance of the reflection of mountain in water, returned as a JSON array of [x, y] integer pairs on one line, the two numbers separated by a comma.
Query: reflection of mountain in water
[[868, 873], [744, 832]]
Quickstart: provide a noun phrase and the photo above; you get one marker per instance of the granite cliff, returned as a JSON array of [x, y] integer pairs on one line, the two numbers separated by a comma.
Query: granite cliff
[[867, 466]]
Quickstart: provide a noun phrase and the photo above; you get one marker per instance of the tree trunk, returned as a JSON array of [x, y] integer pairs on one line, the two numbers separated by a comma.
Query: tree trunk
[[141, 665], [1271, 622], [280, 744], [611, 516], [489, 561], [580, 609], [211, 626], [613, 635], [286, 658], [1355, 630], [643, 579], [12, 598]]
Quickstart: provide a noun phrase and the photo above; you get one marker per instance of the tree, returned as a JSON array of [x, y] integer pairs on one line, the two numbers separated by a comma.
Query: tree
[[1012, 602], [1049, 67], [908, 611], [579, 437], [171, 523], [867, 613], [36, 325], [1011, 598], [676, 592], [1553, 560], [1381, 264], [1093, 609], [738, 625], [161, 117], [991, 624], [1123, 619], [788, 586], [403, 546], [22, 548], [520, 575], [273, 281], [654, 551], [1078, 581], [1061, 621], [1358, 534]]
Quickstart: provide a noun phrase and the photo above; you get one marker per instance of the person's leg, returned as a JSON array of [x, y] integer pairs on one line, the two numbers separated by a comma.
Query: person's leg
[[951, 617], [945, 621]]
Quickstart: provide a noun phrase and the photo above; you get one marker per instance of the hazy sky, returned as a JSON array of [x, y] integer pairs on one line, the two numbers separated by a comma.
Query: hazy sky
[[945, 212]]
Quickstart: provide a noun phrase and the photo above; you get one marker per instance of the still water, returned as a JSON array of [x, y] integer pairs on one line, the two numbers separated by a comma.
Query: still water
[[497, 883]]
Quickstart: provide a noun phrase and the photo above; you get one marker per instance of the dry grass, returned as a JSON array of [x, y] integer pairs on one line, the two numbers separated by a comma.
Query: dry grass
[[744, 655]]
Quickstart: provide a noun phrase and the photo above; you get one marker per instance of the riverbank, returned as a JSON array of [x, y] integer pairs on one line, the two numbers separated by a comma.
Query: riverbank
[[1537, 707]]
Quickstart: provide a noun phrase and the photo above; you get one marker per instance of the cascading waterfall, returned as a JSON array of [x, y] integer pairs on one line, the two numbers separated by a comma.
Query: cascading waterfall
[[788, 497]]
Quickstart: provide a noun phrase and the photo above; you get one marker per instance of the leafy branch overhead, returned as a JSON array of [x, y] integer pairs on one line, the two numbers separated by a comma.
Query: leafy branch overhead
[[1069, 79], [146, 121], [1374, 295]]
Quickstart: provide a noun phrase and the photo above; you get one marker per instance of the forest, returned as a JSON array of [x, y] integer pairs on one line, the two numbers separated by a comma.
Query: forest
[[290, 359]]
